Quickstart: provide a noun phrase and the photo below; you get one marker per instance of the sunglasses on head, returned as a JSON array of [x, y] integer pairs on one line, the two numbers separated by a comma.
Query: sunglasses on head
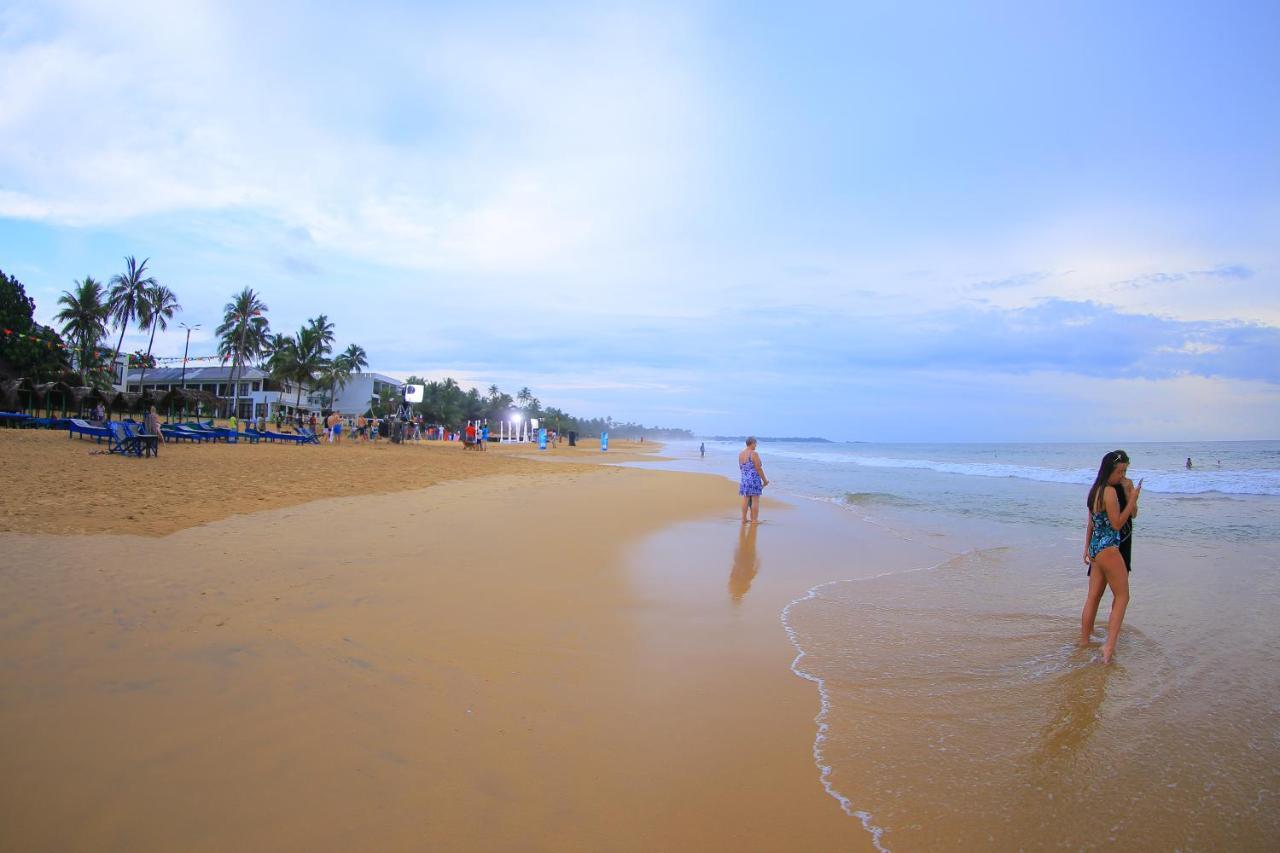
[[1118, 456]]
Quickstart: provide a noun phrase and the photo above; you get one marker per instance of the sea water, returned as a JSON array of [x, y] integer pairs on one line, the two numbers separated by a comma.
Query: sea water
[[958, 710]]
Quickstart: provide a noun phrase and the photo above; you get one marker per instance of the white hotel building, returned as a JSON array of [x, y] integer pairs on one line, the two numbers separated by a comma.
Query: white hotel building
[[262, 395]]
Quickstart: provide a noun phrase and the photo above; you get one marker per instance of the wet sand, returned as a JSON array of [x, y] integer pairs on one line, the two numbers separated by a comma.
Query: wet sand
[[557, 657]]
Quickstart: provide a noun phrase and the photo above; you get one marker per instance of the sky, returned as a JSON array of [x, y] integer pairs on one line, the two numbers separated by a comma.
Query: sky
[[872, 221]]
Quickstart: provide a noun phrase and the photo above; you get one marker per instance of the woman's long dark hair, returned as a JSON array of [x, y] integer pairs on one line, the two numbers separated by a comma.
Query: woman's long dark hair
[[1109, 463]]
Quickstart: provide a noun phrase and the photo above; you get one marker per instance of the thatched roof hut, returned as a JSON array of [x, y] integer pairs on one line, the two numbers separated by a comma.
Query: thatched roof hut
[[98, 395], [78, 396], [126, 401], [9, 394], [185, 399]]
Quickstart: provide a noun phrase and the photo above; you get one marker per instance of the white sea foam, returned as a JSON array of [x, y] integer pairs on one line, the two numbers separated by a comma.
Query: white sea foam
[[1191, 482], [824, 697]]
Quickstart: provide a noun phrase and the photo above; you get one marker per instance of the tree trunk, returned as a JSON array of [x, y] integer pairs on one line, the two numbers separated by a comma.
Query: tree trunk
[[116, 357], [150, 344]]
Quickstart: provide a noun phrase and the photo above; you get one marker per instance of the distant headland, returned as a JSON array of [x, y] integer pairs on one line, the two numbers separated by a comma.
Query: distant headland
[[767, 438]]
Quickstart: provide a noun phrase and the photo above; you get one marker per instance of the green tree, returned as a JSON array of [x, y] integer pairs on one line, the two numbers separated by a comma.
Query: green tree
[[128, 291], [84, 318], [243, 333], [154, 312], [27, 347]]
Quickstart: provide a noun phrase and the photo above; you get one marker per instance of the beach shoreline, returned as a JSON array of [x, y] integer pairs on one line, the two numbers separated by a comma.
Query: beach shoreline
[[493, 662]]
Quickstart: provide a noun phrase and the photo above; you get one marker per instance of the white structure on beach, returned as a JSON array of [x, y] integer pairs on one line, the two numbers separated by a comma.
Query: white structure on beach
[[262, 395], [259, 393], [355, 397]]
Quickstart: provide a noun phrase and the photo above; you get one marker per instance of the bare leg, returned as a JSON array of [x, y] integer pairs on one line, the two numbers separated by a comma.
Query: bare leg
[[755, 509], [1097, 586], [1118, 579], [746, 502]]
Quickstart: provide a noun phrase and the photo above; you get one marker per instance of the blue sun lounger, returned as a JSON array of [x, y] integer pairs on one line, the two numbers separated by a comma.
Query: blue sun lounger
[[76, 426], [125, 441], [285, 436], [177, 432]]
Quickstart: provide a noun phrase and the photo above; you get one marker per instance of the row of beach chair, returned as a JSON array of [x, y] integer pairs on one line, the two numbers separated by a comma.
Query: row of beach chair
[[126, 437]]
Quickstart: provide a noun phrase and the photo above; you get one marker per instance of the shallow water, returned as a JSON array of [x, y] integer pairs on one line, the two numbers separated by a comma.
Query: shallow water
[[957, 711]]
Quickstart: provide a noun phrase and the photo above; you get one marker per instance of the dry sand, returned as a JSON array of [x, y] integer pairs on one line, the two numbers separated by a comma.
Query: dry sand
[[74, 485], [488, 663]]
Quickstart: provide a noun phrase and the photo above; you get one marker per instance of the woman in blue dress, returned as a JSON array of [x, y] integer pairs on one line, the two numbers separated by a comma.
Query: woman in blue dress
[[753, 480], [1109, 513]]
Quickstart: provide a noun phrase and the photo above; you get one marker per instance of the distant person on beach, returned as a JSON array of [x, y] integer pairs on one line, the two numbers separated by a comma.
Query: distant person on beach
[[233, 424], [1111, 508], [151, 424], [702, 449], [1188, 461], [753, 480]]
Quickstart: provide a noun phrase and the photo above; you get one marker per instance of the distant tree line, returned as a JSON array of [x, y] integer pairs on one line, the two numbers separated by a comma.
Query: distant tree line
[[91, 311], [447, 404]]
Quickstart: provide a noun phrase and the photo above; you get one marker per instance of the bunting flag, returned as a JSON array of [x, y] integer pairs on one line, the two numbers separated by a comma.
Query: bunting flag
[[133, 359], [11, 333]]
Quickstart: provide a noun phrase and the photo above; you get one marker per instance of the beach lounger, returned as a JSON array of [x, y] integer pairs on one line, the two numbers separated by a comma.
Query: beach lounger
[[285, 436], [308, 436], [149, 444], [177, 432], [125, 442], [76, 426], [14, 419]]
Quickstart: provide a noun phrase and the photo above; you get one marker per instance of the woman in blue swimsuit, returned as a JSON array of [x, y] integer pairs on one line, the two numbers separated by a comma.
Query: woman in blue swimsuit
[[1110, 512], [753, 480]]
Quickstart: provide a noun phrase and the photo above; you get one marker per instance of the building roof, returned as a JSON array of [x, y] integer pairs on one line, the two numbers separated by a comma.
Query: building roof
[[162, 375]]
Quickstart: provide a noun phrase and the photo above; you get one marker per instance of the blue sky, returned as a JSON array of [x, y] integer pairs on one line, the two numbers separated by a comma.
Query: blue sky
[[882, 221]]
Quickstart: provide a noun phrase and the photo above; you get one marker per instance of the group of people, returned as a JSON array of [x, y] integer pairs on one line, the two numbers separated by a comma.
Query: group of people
[[1108, 540]]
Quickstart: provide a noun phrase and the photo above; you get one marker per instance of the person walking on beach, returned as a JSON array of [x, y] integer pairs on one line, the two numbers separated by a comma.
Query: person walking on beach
[[753, 480], [1111, 508], [702, 450]]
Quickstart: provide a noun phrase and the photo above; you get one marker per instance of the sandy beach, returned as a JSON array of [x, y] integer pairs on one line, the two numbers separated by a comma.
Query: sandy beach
[[411, 647]]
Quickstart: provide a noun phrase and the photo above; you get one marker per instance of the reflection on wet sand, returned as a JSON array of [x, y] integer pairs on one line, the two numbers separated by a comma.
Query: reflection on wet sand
[[1079, 690], [745, 562]]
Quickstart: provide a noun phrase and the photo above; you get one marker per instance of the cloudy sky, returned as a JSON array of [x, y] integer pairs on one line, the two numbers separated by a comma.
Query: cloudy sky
[[883, 221]]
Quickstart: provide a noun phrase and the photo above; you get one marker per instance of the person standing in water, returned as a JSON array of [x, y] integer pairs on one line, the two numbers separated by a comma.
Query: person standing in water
[[702, 449], [753, 480], [1109, 514]]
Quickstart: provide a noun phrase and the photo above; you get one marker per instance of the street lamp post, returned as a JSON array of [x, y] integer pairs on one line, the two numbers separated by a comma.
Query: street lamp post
[[184, 352]]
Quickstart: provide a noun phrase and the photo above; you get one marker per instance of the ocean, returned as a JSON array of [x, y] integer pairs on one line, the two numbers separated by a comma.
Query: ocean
[[956, 709]]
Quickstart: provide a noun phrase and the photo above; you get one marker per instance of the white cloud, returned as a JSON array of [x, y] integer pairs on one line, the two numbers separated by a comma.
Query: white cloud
[[521, 153]]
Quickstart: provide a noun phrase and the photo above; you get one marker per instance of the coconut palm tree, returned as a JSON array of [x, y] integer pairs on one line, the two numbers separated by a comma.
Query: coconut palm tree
[[243, 332], [84, 322], [128, 290], [323, 331], [154, 312]]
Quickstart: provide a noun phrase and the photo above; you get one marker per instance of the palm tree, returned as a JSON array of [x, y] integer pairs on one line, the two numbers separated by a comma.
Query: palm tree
[[84, 321], [323, 331], [128, 290], [155, 311], [243, 333]]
